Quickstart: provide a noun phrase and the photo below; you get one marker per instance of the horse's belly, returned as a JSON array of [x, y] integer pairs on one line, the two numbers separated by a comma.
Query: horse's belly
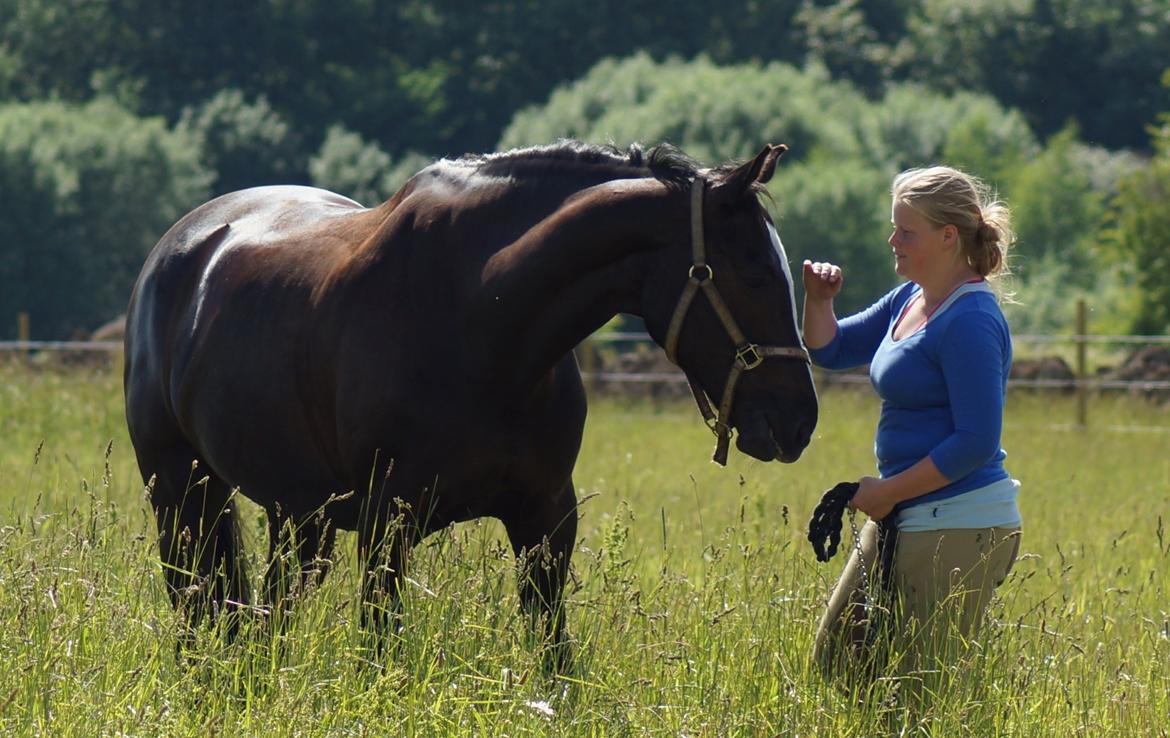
[[245, 419]]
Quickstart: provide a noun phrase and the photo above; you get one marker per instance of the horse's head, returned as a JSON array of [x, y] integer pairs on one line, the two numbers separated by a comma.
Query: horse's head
[[722, 304]]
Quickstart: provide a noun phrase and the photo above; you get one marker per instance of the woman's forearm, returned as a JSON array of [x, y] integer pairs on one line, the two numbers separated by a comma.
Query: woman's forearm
[[878, 497], [922, 478], [820, 322]]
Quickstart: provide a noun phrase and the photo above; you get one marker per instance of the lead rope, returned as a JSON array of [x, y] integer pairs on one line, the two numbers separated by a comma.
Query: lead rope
[[865, 597], [824, 533]]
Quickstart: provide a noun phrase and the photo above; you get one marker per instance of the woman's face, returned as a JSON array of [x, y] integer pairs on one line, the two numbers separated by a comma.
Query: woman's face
[[919, 245]]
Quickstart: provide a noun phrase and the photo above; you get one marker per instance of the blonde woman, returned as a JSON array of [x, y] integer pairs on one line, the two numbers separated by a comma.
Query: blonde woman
[[939, 351]]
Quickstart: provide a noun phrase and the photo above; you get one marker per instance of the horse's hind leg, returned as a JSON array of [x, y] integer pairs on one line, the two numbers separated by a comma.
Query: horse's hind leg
[[303, 543], [198, 536], [543, 534]]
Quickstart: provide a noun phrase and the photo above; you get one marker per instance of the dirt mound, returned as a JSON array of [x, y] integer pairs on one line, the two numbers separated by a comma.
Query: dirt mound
[[1045, 369], [114, 330], [1147, 364], [644, 372]]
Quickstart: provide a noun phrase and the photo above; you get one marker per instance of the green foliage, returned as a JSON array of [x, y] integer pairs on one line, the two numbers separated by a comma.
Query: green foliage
[[245, 144], [988, 140], [360, 169], [1093, 61], [832, 188], [53, 49], [841, 36], [914, 126], [713, 112], [87, 190], [1058, 212], [445, 78], [1142, 235], [425, 75], [838, 211], [260, 85]]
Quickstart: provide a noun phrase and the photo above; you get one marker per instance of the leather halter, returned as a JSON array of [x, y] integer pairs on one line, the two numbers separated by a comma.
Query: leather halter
[[748, 355]]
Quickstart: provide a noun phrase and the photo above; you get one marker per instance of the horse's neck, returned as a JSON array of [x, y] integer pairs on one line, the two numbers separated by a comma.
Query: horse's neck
[[572, 272]]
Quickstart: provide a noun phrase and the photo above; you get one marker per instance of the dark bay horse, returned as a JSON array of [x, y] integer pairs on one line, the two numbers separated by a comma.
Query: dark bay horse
[[397, 369]]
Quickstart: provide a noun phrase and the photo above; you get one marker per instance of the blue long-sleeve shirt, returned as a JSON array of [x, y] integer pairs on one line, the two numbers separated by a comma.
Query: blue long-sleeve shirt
[[942, 387]]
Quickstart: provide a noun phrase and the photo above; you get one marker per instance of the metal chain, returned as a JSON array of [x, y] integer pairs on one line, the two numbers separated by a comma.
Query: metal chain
[[860, 558]]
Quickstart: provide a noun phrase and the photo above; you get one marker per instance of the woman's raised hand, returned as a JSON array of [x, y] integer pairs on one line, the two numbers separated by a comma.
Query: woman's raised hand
[[822, 280]]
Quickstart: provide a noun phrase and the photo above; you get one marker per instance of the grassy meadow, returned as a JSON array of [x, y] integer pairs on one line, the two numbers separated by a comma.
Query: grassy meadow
[[693, 607]]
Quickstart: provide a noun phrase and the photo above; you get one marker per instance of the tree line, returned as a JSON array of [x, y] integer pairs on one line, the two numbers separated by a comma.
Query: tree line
[[118, 115]]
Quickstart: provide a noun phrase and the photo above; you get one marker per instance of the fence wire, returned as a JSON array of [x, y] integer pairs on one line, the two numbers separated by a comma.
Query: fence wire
[[677, 377]]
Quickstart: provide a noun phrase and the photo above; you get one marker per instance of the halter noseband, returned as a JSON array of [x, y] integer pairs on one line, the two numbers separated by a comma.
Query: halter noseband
[[748, 355]]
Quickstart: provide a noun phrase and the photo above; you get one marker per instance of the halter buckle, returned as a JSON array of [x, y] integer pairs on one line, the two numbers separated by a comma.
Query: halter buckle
[[748, 356], [710, 276]]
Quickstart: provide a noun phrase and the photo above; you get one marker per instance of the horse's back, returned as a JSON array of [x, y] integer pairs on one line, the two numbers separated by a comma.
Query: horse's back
[[263, 230]]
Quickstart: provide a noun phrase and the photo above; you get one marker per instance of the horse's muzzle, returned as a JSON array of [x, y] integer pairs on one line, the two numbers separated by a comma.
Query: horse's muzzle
[[774, 436]]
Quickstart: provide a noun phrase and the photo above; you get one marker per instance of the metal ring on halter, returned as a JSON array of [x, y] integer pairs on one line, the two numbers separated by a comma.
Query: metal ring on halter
[[749, 356], [710, 272]]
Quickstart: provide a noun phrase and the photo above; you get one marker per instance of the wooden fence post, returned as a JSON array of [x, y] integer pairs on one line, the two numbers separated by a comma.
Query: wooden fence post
[[587, 361], [22, 333], [1082, 375]]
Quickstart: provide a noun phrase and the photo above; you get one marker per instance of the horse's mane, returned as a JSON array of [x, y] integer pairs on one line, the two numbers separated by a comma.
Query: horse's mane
[[664, 162]]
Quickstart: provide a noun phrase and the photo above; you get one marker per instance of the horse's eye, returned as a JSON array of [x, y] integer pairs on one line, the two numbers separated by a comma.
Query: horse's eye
[[755, 277]]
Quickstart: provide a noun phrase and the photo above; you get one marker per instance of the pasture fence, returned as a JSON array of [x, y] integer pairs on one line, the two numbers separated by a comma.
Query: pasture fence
[[1052, 372], [1081, 381], [1050, 363]]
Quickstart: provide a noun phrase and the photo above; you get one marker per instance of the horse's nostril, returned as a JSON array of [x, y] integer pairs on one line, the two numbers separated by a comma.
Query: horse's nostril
[[805, 432]]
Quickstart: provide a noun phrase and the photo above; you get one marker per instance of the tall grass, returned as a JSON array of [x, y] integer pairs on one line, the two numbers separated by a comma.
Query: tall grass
[[693, 605]]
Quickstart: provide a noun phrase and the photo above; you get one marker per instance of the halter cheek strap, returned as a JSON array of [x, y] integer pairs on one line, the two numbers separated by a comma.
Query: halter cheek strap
[[748, 355]]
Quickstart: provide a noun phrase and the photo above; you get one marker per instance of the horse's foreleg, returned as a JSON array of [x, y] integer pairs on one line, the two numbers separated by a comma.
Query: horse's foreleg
[[383, 545], [543, 534]]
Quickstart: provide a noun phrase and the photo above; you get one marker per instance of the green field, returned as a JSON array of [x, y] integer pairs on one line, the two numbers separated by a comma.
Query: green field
[[693, 608]]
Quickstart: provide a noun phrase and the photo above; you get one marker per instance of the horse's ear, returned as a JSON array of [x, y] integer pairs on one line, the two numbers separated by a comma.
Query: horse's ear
[[770, 160], [759, 169]]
